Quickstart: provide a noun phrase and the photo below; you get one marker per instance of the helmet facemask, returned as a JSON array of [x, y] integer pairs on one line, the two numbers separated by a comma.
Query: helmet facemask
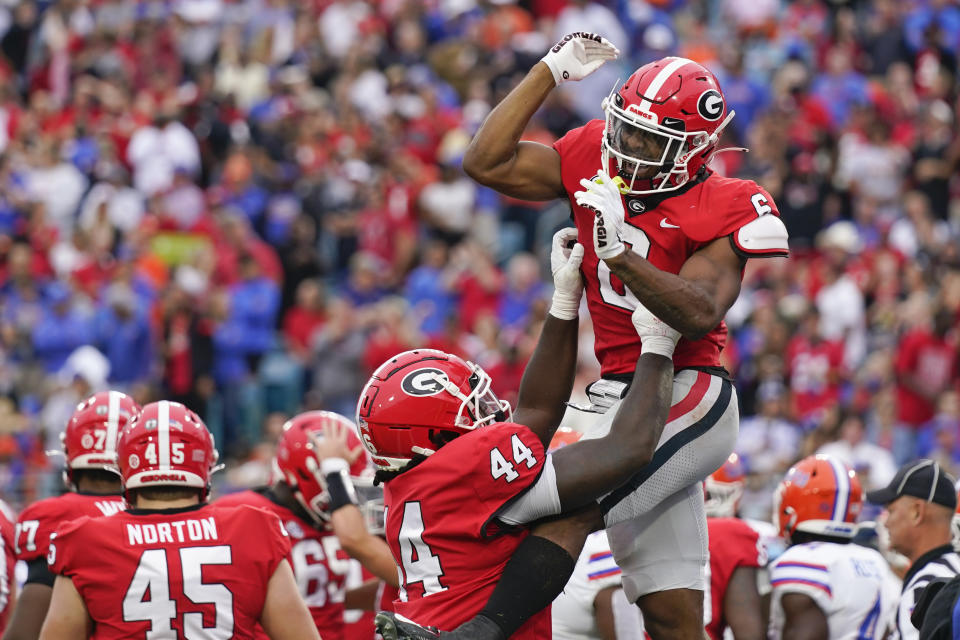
[[722, 498], [650, 156]]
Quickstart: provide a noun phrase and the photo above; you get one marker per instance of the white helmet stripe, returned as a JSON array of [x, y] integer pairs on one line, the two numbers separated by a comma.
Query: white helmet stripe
[[163, 435], [113, 421], [660, 79], [843, 490]]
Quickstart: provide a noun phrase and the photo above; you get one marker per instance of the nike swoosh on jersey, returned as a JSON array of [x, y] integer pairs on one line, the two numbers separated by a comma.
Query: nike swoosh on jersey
[[667, 225]]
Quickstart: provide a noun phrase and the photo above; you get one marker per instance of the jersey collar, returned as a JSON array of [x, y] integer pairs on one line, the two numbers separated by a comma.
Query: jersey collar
[[637, 205], [924, 560], [152, 512]]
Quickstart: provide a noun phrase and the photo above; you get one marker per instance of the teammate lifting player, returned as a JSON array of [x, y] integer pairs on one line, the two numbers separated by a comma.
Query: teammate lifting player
[[459, 496]]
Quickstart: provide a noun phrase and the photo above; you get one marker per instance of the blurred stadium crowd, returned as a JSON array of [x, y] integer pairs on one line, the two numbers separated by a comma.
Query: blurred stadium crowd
[[247, 205]]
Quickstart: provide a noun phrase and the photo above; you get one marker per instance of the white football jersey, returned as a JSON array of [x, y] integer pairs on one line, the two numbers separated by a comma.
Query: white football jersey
[[852, 585], [573, 613]]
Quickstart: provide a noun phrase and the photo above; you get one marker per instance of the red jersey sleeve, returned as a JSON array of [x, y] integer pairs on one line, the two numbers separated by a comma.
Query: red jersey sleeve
[[751, 551], [509, 458], [732, 204], [63, 546], [498, 463], [34, 527], [580, 156], [262, 534]]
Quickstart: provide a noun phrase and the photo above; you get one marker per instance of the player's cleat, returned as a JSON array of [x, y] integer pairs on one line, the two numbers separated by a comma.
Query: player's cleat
[[393, 626]]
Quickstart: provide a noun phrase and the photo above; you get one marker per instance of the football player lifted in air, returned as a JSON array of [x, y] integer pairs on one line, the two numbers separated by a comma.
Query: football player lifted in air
[[671, 235], [465, 476], [173, 566], [314, 497], [824, 586], [92, 475]]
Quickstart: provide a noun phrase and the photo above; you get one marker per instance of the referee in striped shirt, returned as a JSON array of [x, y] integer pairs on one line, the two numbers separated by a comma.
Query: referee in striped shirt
[[920, 502]]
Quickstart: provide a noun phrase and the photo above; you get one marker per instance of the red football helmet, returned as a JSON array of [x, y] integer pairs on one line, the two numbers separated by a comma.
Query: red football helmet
[[818, 495], [663, 125], [90, 439], [418, 400], [167, 444], [724, 488], [299, 467]]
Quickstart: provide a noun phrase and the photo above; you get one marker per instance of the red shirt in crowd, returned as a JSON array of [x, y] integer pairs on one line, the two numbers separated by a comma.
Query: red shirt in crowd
[[814, 370], [929, 359]]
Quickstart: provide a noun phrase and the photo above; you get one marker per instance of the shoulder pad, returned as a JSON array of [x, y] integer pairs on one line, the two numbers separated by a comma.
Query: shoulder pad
[[765, 237]]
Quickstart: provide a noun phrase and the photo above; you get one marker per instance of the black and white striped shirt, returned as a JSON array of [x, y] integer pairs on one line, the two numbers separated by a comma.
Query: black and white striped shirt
[[941, 562]]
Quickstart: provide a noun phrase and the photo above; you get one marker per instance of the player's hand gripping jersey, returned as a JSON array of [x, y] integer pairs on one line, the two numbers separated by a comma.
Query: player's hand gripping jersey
[[41, 519], [319, 564], [666, 230], [441, 525], [197, 572]]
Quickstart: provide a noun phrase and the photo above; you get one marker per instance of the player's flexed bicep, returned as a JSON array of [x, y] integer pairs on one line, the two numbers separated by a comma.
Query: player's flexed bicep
[[496, 156]]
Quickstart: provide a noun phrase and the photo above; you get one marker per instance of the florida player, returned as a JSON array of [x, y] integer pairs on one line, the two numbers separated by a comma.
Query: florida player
[[737, 556], [91, 474], [463, 476], [825, 587], [674, 237], [172, 566], [314, 498]]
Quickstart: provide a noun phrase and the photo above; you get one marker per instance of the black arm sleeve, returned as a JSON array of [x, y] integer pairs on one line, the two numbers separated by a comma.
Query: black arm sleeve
[[38, 572], [531, 580]]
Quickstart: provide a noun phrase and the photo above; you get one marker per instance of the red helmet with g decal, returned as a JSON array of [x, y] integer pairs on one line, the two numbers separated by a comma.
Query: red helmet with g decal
[[299, 467], [663, 125], [167, 444], [90, 439], [418, 400], [819, 495]]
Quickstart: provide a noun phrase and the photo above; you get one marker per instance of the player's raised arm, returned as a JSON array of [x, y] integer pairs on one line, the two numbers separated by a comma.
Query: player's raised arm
[[497, 158], [335, 457], [636, 429], [548, 377]]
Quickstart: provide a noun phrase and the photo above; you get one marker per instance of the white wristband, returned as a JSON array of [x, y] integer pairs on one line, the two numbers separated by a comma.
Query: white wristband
[[333, 465], [564, 306], [660, 345]]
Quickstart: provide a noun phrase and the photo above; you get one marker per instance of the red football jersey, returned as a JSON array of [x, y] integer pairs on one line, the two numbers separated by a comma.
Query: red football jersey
[[733, 543], [195, 572], [441, 528], [41, 519], [8, 560], [318, 562], [666, 234]]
